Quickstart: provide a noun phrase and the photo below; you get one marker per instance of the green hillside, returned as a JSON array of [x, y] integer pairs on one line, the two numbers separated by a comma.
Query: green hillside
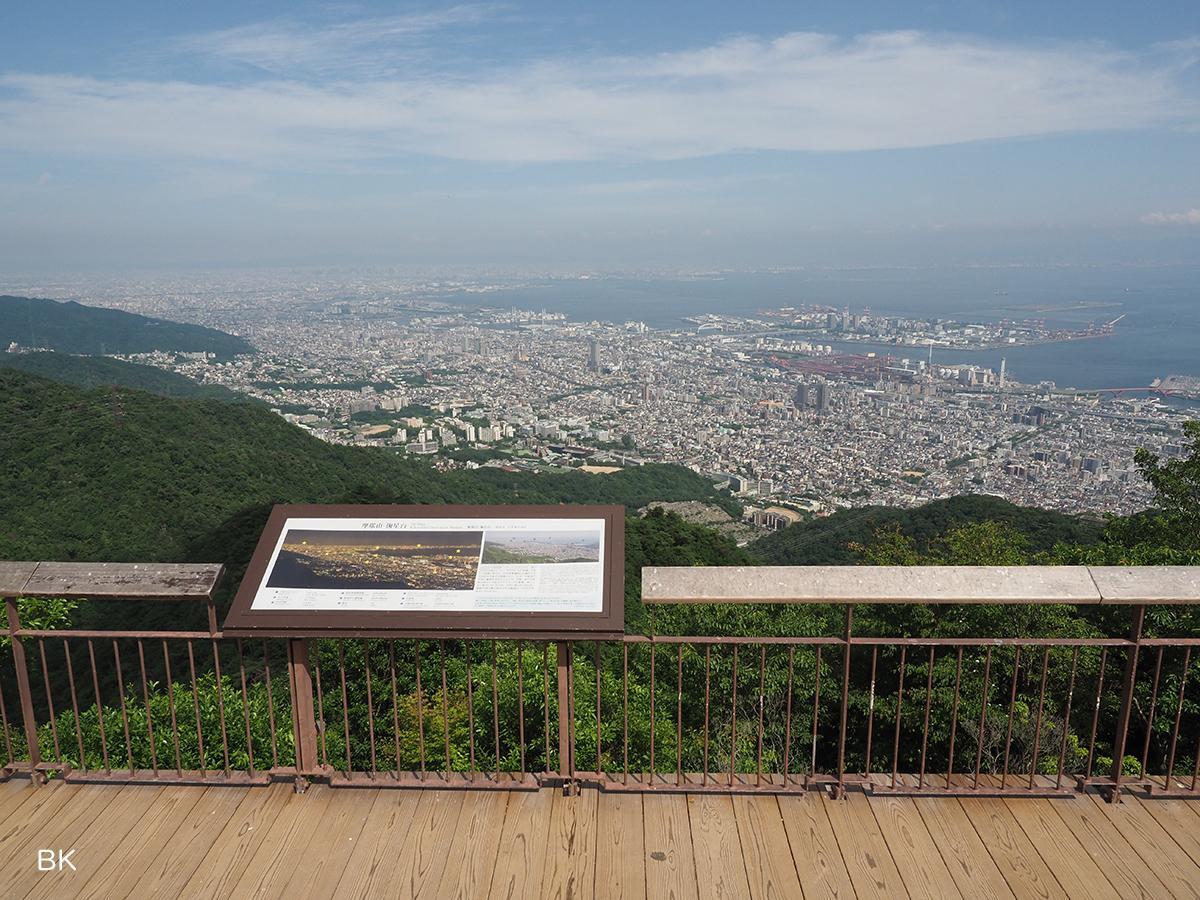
[[103, 371], [118, 474], [71, 327], [825, 541]]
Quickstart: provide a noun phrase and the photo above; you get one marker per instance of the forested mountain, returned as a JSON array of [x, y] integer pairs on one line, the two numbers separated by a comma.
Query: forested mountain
[[71, 327], [118, 474], [102, 371], [828, 541]]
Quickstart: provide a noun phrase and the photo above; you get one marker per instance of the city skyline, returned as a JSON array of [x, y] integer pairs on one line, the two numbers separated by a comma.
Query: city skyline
[[557, 136]]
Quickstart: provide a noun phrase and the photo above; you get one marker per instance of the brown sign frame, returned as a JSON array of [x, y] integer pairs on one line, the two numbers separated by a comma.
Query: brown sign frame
[[242, 619]]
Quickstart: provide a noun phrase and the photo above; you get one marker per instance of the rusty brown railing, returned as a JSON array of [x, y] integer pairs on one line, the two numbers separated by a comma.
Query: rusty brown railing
[[1018, 715]]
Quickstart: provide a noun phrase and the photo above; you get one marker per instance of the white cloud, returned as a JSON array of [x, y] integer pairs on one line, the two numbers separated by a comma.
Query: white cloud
[[798, 92], [1187, 217]]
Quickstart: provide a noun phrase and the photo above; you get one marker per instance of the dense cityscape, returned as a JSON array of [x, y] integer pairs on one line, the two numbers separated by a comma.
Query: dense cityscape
[[765, 404]]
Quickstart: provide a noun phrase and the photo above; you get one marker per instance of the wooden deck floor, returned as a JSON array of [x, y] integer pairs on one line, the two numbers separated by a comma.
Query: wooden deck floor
[[148, 841]]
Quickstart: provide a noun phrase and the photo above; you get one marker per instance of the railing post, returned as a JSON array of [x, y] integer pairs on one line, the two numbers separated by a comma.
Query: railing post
[[304, 721], [1126, 710], [566, 718], [22, 668], [841, 782]]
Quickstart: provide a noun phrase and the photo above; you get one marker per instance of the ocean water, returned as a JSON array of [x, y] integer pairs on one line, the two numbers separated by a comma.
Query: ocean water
[[1160, 334]]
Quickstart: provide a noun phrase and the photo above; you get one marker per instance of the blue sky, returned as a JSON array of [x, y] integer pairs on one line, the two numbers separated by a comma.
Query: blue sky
[[621, 135]]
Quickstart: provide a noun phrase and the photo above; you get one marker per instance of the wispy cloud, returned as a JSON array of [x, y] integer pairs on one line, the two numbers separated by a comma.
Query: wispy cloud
[[797, 92], [1187, 217]]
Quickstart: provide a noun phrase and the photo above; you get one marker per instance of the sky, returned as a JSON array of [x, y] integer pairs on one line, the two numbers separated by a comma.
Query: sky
[[621, 136]]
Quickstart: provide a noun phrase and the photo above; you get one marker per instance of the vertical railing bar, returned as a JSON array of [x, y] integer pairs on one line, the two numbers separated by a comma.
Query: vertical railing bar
[[928, 706], [495, 712], [679, 716], [171, 705], [445, 708], [1128, 699], [246, 709], [1037, 727], [74, 709], [653, 717], [49, 700], [1187, 658], [625, 725], [599, 733], [196, 706], [420, 709], [812, 763], [8, 747], [733, 720], [1062, 752], [99, 708], [871, 711], [762, 689], [221, 706], [787, 716], [707, 700], [1153, 710], [345, 708], [470, 712], [1012, 708], [521, 703], [321, 716], [149, 717], [899, 704], [954, 716], [124, 714], [270, 706], [987, 672], [370, 708], [1096, 713], [546, 706], [395, 704]]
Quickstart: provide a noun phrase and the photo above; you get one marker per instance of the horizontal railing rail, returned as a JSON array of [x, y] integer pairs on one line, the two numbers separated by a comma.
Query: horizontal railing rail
[[1012, 714]]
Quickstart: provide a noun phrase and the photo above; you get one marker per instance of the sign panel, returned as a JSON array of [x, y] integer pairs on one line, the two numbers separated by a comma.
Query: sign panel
[[421, 568]]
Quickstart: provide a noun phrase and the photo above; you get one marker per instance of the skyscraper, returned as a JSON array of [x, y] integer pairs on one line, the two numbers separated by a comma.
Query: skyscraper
[[593, 355]]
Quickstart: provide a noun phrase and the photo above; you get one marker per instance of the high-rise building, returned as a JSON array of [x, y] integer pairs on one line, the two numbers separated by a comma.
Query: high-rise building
[[1003, 372], [593, 355], [821, 401]]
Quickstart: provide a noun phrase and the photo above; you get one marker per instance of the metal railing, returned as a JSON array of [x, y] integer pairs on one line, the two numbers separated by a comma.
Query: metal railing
[[1017, 715]]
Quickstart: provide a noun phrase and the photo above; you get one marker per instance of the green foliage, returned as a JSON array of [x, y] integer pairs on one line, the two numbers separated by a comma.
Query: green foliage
[[43, 614], [101, 371], [71, 327], [828, 541]]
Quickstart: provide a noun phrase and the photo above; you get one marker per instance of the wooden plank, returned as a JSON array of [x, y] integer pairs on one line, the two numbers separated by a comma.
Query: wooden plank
[[570, 869], [126, 581], [968, 860], [1018, 860], [272, 860], [769, 865], [371, 871], [522, 855], [620, 847], [105, 837], [914, 850], [14, 576], [1147, 584], [819, 865], [670, 862], [868, 584], [35, 815], [476, 843], [1161, 845], [122, 872], [218, 870], [1074, 868], [421, 862], [868, 860], [1128, 872], [720, 864], [320, 866]]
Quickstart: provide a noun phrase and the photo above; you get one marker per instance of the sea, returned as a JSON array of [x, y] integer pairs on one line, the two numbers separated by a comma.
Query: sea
[[1158, 335]]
